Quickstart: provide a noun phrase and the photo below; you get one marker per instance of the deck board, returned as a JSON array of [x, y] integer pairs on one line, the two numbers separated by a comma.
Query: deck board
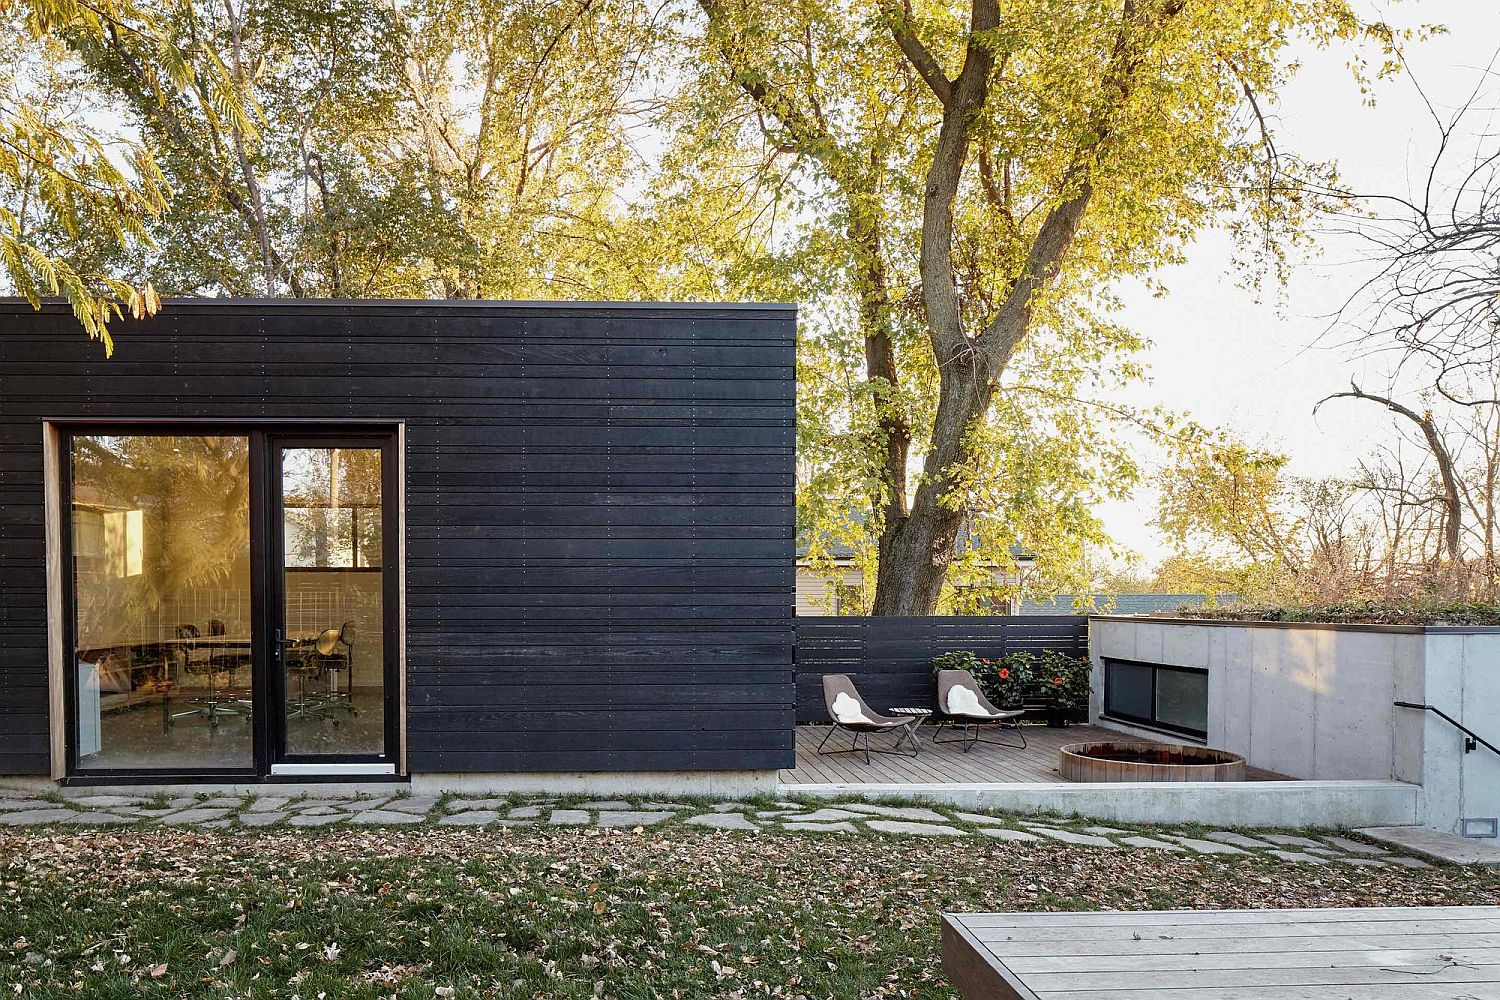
[[946, 763], [1377, 953]]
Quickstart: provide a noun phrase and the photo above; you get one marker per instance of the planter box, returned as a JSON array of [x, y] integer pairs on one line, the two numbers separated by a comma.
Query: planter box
[[1316, 701]]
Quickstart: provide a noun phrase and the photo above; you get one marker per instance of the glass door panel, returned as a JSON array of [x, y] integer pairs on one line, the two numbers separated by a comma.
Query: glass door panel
[[331, 634], [160, 597]]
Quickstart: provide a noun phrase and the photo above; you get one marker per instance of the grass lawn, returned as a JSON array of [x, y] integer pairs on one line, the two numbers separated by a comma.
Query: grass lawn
[[427, 912]]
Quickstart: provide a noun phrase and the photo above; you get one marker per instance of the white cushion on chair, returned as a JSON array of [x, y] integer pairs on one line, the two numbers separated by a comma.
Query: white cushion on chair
[[962, 701], [847, 710]]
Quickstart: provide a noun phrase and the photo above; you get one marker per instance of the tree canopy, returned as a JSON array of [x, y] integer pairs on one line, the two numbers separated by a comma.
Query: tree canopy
[[950, 188]]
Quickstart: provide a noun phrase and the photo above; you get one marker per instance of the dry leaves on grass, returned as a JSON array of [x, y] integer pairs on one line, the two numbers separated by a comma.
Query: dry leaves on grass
[[670, 913]]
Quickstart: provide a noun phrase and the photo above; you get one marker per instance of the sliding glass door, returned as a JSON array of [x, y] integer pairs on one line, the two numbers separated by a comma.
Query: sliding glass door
[[330, 594], [230, 601], [161, 602]]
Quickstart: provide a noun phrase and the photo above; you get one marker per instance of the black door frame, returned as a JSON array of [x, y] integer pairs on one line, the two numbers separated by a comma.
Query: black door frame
[[273, 551], [261, 433]]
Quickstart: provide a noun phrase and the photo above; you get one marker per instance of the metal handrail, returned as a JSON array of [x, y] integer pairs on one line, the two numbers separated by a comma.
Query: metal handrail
[[1471, 738]]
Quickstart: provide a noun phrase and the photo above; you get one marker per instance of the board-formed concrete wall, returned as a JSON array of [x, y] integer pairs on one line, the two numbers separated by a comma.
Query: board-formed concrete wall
[[1316, 701]]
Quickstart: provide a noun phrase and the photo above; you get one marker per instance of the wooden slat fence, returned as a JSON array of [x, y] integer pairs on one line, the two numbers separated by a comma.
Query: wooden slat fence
[[889, 658]]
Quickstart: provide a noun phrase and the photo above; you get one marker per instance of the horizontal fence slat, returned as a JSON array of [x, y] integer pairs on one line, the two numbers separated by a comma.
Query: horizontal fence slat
[[890, 658]]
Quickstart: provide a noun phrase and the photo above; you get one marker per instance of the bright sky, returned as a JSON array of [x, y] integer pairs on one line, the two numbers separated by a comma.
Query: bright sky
[[1234, 362]]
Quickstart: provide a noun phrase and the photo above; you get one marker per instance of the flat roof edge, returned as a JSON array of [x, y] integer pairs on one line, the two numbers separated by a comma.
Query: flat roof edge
[[16, 304], [1336, 626]]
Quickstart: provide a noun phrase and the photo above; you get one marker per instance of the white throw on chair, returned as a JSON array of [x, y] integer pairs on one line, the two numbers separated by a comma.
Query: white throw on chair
[[964, 705]]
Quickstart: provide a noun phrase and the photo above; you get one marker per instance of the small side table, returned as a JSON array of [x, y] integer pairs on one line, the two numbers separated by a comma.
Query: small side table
[[917, 716]]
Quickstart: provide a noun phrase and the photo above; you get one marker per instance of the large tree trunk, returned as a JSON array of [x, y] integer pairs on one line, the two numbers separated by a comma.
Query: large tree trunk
[[916, 550]]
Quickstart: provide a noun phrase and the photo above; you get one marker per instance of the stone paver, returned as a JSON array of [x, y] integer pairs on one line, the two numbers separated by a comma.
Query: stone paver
[[1069, 837], [622, 818], [914, 828], [1409, 862], [721, 807], [323, 811], [823, 827], [525, 812], [1301, 857], [605, 804], [1150, 843], [105, 801], [472, 817], [1288, 840], [373, 817], [981, 819], [93, 818], [316, 820], [188, 817], [1005, 833], [829, 816], [569, 817], [723, 821], [1237, 840], [464, 805], [31, 817], [268, 803], [917, 813], [1104, 831], [1354, 846], [262, 818], [423, 804], [1205, 846]]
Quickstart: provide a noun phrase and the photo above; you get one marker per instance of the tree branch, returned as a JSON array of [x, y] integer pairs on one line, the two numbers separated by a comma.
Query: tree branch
[[899, 19]]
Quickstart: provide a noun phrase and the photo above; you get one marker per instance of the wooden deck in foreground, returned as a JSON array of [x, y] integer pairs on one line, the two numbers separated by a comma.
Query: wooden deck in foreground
[[946, 763], [1386, 953]]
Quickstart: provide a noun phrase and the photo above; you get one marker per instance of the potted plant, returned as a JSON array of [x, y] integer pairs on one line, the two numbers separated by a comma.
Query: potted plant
[[1064, 682]]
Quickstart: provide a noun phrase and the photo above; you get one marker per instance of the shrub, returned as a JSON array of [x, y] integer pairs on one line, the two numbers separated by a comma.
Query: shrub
[[1005, 681], [1063, 680]]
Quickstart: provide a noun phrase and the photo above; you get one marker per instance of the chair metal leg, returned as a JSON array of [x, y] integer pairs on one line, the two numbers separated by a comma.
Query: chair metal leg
[[971, 734]]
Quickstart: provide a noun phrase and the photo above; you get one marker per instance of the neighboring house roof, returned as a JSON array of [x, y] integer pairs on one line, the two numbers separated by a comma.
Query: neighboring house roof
[[1124, 604]]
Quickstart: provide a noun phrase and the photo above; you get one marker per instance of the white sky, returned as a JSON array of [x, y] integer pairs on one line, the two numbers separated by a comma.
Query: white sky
[[1234, 362]]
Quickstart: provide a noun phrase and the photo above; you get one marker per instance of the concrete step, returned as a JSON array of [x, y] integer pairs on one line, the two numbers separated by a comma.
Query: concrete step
[[1439, 846]]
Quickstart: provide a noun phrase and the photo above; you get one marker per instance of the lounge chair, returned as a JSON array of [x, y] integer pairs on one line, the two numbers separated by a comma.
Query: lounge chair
[[963, 704], [848, 711]]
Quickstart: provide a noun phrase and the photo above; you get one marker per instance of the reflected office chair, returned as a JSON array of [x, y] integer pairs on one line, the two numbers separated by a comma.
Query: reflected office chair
[[335, 651], [196, 662], [228, 662]]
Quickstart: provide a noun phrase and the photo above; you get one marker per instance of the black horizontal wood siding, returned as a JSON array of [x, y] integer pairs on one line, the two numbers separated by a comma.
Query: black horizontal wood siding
[[599, 508], [890, 659]]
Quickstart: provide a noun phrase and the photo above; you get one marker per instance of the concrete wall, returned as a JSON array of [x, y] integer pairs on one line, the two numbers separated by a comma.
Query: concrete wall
[[1463, 679], [1315, 701]]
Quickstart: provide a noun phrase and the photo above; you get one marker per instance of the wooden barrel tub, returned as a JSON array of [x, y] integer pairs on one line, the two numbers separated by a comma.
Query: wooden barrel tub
[[1125, 760]]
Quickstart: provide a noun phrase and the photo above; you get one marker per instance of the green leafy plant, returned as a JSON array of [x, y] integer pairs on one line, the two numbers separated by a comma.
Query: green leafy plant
[[1063, 680], [1005, 681]]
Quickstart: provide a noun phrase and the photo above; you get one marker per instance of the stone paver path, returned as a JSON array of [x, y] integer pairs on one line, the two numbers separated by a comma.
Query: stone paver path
[[119, 808]]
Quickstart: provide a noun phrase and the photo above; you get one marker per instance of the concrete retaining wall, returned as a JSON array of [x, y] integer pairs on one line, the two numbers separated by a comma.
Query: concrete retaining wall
[[1316, 701]]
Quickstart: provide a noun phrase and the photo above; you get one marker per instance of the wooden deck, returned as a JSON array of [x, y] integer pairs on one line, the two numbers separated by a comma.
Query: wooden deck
[[1385, 953], [946, 763]]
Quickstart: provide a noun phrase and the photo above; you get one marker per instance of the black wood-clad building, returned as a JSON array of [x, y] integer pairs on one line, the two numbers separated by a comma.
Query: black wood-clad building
[[285, 538]]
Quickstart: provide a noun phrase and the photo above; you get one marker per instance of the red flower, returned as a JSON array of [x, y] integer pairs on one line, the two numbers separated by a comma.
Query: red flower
[[1057, 680], [1004, 673]]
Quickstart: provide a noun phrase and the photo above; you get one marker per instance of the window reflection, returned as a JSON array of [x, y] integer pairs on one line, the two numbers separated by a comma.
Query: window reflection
[[332, 538], [161, 600]]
